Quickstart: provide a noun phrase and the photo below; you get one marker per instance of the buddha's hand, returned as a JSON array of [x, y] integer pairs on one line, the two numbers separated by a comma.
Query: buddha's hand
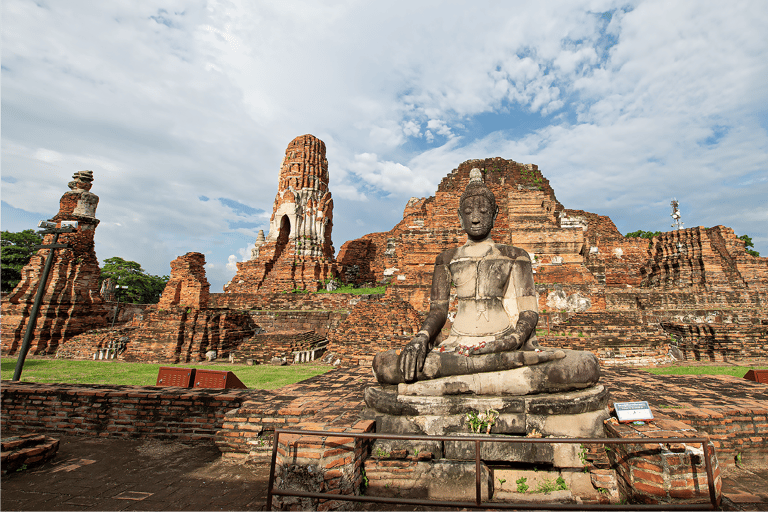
[[413, 355], [488, 347]]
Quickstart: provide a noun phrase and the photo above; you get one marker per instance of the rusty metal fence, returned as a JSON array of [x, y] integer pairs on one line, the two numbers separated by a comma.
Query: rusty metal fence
[[478, 503]]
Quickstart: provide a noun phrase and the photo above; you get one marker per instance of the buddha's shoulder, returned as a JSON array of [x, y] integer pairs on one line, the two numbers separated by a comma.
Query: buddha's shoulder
[[512, 252], [445, 257]]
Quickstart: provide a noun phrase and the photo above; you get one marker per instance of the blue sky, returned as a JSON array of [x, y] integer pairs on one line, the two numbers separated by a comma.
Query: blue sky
[[183, 111]]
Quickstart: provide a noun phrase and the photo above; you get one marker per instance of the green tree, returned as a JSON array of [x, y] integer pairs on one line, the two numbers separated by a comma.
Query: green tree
[[142, 288], [16, 249], [642, 234], [747, 244]]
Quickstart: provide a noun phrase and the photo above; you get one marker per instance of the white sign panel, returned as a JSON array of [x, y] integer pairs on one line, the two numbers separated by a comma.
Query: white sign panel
[[632, 411]]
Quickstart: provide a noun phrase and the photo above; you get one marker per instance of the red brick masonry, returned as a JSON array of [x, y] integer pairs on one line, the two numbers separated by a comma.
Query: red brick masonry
[[21, 452], [130, 411], [661, 473]]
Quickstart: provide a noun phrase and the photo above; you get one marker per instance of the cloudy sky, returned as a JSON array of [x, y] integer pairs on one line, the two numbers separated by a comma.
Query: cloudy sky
[[183, 111]]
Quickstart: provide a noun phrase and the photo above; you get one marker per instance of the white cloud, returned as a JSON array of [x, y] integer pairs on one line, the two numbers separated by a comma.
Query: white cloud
[[411, 129], [232, 263], [389, 176], [171, 101]]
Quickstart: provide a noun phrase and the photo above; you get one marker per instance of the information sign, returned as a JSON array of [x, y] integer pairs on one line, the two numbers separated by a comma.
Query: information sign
[[632, 411]]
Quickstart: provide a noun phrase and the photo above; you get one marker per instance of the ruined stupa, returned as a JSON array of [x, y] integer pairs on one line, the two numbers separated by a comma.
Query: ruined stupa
[[71, 304], [298, 252]]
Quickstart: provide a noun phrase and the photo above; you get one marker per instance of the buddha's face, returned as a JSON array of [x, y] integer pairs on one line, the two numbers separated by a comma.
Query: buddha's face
[[477, 215]]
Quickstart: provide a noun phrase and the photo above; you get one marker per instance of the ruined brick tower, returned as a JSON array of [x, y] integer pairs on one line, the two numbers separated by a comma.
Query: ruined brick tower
[[298, 252], [71, 304]]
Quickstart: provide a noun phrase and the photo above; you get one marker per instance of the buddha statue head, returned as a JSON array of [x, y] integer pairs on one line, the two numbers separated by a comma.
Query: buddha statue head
[[477, 207]]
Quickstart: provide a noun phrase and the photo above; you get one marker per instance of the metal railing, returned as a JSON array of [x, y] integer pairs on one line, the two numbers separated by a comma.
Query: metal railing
[[478, 503]]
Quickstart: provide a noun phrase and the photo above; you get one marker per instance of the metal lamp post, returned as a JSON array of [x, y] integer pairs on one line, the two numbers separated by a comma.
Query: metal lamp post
[[48, 229]]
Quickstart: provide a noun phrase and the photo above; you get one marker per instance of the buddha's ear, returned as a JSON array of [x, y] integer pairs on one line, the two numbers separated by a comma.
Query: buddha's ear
[[461, 218]]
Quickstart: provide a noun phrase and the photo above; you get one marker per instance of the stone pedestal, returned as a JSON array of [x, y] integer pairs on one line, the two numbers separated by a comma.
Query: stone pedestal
[[571, 414]]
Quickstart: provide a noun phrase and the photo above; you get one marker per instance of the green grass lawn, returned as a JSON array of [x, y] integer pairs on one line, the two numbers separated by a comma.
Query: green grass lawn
[[139, 374], [735, 371]]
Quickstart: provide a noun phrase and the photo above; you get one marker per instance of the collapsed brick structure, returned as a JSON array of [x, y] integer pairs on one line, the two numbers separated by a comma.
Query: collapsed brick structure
[[180, 328], [352, 327], [591, 280], [373, 326], [71, 303], [298, 252], [187, 285]]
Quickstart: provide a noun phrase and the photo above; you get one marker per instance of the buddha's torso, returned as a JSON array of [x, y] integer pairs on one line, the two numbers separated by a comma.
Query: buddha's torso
[[481, 275]]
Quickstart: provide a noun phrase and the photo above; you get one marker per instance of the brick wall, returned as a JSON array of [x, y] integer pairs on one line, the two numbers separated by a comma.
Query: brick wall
[[717, 341], [668, 473], [373, 327], [733, 430], [286, 301], [263, 347], [277, 320], [124, 411], [337, 463], [182, 334], [85, 345]]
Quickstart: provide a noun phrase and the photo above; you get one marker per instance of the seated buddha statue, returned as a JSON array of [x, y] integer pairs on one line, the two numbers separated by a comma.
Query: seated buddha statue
[[492, 348]]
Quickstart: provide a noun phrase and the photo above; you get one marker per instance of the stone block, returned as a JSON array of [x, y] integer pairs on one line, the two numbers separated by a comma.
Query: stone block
[[444, 425], [580, 484], [566, 455], [417, 449], [533, 453], [587, 424], [437, 480], [573, 414], [506, 480]]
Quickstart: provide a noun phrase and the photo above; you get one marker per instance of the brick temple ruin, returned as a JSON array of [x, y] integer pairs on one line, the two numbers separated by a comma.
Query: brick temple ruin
[[298, 251], [620, 297], [71, 303], [693, 293]]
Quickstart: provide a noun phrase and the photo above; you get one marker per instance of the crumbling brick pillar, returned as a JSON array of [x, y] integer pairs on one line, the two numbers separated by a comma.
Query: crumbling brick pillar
[[188, 285], [71, 303]]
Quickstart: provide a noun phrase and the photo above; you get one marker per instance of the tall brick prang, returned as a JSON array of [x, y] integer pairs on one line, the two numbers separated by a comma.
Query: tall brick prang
[[298, 252], [71, 304]]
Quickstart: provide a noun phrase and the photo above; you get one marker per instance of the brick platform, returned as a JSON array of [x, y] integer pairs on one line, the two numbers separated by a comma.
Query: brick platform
[[22, 452], [731, 410]]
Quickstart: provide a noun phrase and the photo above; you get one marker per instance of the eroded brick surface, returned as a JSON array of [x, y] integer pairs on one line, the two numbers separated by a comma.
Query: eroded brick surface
[[626, 286], [298, 251], [71, 303]]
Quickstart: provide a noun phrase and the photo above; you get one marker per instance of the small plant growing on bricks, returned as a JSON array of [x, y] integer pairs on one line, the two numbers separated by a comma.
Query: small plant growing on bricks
[[482, 420]]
